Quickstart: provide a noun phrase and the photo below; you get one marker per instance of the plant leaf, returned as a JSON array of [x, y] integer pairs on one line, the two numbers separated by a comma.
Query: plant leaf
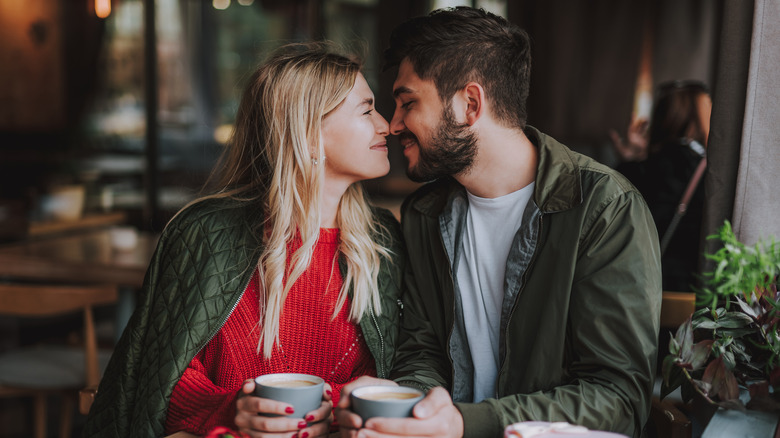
[[684, 336], [699, 354], [734, 320]]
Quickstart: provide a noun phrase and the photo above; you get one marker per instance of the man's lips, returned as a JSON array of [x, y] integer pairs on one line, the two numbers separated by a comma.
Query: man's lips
[[407, 140]]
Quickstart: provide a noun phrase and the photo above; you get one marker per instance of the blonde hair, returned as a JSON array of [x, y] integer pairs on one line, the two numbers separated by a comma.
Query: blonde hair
[[275, 156]]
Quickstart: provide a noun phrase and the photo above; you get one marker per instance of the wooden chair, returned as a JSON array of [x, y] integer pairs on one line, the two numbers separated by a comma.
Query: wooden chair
[[668, 421], [40, 371], [676, 307]]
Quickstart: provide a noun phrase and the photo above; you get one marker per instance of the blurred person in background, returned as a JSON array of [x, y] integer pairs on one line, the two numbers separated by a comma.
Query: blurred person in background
[[676, 143], [284, 268]]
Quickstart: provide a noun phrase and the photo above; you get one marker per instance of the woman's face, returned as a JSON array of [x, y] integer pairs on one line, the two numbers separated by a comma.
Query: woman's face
[[354, 138]]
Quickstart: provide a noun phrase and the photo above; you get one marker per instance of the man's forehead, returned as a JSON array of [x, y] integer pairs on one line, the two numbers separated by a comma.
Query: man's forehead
[[406, 81]]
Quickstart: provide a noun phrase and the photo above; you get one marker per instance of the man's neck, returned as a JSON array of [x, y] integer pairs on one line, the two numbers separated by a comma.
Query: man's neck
[[506, 162]]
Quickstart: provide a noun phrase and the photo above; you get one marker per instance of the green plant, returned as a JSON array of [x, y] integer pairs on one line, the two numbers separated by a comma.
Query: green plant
[[732, 340]]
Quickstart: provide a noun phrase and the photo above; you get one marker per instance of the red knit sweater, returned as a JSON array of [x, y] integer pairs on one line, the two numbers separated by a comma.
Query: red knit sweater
[[309, 342]]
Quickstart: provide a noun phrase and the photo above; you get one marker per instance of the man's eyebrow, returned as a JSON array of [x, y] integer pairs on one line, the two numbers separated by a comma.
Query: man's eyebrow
[[401, 90]]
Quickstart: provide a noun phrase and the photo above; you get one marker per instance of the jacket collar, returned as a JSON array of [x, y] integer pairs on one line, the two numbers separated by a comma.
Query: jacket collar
[[558, 180]]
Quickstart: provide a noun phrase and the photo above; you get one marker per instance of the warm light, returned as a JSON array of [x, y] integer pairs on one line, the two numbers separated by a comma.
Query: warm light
[[102, 8], [220, 4], [222, 133], [245, 2]]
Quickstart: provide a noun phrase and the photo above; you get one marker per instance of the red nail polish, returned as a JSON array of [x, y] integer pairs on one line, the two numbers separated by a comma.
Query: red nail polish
[[301, 424], [330, 394], [310, 418], [289, 409], [305, 435]]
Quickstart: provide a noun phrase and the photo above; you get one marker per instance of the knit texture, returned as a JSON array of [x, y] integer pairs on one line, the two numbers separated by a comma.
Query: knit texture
[[310, 342]]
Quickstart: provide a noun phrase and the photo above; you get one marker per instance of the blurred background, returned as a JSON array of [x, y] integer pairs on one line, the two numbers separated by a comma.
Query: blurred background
[[133, 100]]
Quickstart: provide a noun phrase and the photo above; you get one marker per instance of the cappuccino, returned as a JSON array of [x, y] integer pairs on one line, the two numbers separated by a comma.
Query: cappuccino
[[389, 395], [289, 383]]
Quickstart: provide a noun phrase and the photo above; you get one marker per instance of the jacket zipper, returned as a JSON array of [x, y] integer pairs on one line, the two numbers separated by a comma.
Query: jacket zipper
[[222, 323], [452, 327], [517, 298], [381, 343]]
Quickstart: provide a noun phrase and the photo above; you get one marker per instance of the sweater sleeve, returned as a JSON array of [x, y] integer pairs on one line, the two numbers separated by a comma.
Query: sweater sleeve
[[198, 405]]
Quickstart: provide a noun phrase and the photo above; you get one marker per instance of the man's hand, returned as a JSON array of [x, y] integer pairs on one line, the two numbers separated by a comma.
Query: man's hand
[[434, 416], [316, 423], [349, 422]]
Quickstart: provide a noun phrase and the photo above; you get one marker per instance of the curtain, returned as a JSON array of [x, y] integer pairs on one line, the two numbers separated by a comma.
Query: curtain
[[728, 111], [757, 198]]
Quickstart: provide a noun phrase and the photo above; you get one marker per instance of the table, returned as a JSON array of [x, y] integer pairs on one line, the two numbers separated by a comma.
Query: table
[[82, 257]]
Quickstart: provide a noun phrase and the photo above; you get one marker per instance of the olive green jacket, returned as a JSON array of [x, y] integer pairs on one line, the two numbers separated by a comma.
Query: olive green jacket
[[200, 269], [580, 317]]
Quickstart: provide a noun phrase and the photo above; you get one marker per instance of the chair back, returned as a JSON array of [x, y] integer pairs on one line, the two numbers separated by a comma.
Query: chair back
[[676, 307], [36, 300]]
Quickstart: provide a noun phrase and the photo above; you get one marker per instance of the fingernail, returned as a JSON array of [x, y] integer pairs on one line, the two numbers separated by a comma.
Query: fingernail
[[330, 394], [289, 409], [310, 418], [305, 435], [301, 424]]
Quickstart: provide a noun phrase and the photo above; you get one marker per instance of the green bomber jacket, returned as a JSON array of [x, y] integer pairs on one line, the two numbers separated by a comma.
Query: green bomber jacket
[[580, 318], [201, 267]]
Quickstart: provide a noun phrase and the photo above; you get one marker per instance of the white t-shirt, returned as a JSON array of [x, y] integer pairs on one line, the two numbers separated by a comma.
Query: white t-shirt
[[491, 225]]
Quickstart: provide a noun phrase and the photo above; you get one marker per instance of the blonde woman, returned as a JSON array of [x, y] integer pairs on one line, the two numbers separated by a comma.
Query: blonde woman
[[285, 269]]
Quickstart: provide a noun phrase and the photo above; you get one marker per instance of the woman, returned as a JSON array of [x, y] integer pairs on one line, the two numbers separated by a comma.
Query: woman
[[285, 269], [678, 134]]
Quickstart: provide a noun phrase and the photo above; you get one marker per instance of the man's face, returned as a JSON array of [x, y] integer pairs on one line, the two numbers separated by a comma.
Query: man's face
[[434, 143]]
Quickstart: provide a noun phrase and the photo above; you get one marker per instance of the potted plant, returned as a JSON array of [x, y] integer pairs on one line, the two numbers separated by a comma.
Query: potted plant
[[732, 341]]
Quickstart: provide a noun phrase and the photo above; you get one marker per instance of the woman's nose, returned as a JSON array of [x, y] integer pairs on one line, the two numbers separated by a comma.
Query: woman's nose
[[382, 127]]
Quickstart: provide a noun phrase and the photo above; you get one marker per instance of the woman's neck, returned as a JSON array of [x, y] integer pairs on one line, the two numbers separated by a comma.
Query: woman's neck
[[329, 205]]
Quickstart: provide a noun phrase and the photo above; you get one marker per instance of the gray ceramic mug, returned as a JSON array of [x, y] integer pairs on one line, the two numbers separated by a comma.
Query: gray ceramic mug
[[384, 401], [302, 391]]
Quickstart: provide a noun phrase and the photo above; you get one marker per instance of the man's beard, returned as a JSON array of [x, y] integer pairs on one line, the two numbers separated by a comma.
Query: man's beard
[[449, 152]]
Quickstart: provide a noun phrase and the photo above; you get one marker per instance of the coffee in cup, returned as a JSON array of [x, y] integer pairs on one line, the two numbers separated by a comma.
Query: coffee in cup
[[389, 395], [302, 391], [384, 401], [293, 383]]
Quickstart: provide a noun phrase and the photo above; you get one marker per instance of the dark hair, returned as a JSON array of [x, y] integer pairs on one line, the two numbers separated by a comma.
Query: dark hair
[[455, 46], [675, 111]]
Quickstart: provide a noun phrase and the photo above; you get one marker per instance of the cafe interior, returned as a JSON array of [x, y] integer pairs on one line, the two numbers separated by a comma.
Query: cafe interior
[[113, 113]]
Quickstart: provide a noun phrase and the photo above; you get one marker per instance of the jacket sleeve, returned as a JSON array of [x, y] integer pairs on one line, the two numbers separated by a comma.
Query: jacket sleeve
[[613, 323]]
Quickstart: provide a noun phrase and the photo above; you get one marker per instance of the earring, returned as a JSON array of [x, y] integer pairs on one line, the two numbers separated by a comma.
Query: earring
[[315, 161]]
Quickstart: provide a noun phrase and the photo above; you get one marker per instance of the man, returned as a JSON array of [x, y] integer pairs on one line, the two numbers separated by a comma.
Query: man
[[534, 282]]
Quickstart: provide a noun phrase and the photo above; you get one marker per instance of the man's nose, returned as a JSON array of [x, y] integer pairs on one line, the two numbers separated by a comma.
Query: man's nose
[[397, 125]]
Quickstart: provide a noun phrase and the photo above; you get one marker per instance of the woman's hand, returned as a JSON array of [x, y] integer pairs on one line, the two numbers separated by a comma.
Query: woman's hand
[[635, 147], [316, 423]]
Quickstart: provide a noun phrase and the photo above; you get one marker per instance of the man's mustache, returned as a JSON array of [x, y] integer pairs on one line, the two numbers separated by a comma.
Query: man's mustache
[[404, 136]]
